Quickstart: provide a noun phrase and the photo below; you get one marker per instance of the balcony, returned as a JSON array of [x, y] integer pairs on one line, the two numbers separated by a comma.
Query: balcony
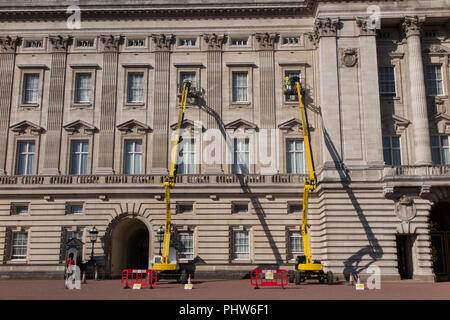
[[433, 172]]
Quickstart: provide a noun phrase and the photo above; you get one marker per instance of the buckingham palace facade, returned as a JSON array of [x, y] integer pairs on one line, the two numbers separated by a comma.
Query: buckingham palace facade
[[89, 98]]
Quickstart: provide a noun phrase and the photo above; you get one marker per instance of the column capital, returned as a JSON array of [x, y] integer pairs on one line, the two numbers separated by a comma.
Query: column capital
[[412, 25], [111, 43], [163, 41], [266, 41], [60, 43], [325, 27], [214, 41], [8, 44], [365, 26]]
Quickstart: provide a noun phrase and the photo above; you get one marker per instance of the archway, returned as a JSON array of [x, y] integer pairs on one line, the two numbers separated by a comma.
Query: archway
[[440, 239], [129, 246]]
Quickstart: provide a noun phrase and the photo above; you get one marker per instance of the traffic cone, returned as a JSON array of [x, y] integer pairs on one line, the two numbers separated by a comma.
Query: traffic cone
[[189, 279], [358, 281], [350, 280], [84, 277]]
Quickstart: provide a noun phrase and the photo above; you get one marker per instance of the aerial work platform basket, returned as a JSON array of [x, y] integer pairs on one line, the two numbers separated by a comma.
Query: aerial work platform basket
[[269, 278]]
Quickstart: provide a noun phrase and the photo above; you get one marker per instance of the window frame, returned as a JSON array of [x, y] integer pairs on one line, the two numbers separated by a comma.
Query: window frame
[[192, 151], [71, 142], [134, 140], [235, 165], [302, 246], [427, 80], [287, 140], [83, 69], [22, 258], [440, 147], [237, 102], [35, 153], [136, 69], [391, 149], [28, 70], [192, 235], [70, 205], [394, 80], [235, 254]]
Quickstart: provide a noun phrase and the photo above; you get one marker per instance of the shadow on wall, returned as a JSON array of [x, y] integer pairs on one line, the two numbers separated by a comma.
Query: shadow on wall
[[243, 182], [373, 250]]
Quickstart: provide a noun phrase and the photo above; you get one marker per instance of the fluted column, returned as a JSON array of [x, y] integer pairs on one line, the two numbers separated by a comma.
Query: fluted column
[[214, 92], [421, 133], [7, 59], [266, 43], [111, 46], [59, 46], [161, 112]]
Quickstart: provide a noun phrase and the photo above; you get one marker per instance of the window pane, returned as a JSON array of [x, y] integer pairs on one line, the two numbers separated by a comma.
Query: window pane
[[386, 142], [387, 157], [435, 156], [83, 88], [445, 156], [444, 141], [397, 161], [31, 88], [135, 87], [395, 142], [240, 87], [387, 80], [25, 157]]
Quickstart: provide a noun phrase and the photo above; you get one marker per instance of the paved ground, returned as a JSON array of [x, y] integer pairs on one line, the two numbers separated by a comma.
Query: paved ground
[[219, 290]]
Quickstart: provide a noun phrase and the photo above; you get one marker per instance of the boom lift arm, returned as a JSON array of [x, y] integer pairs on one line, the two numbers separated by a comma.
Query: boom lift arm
[[169, 183], [306, 268]]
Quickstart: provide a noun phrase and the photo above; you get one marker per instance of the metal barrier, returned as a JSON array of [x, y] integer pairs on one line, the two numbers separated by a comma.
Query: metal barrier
[[268, 278], [143, 277]]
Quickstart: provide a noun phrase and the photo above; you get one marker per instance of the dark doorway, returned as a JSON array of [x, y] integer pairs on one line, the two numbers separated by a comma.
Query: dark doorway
[[440, 240], [404, 255], [138, 250]]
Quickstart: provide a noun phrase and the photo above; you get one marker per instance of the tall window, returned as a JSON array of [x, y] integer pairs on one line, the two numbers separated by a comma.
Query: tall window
[[240, 86], [241, 245], [25, 163], [392, 150], [295, 242], [291, 74], [294, 156], [434, 80], [31, 88], [241, 161], [186, 242], [186, 158], [387, 80], [440, 149], [133, 157], [79, 157], [188, 76], [83, 88], [135, 88], [19, 245]]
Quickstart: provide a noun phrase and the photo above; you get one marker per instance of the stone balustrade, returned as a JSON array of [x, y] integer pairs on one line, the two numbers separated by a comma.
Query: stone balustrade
[[417, 171]]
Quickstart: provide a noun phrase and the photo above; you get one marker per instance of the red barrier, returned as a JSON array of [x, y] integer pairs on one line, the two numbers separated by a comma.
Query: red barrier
[[269, 278], [144, 277]]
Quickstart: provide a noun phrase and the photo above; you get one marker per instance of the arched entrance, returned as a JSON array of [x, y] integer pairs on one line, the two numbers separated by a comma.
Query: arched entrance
[[129, 246], [440, 239]]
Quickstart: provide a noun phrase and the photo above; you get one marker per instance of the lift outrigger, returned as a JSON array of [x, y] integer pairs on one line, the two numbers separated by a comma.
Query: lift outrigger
[[167, 264], [305, 267]]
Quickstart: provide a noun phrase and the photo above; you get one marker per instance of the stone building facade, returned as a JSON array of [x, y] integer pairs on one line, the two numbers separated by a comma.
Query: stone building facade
[[88, 113]]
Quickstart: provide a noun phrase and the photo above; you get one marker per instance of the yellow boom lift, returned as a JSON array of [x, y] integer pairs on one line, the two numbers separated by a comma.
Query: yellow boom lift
[[305, 267], [167, 263]]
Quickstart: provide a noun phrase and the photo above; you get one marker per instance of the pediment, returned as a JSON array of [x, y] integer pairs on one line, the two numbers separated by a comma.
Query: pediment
[[241, 124], [442, 121], [133, 126], [293, 124], [189, 125], [81, 127], [437, 49], [394, 124], [26, 127]]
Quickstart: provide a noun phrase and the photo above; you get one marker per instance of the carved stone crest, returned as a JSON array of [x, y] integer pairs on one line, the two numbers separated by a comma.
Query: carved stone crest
[[163, 41], [349, 57], [413, 25], [266, 40], [60, 43], [405, 209], [214, 41], [111, 43], [8, 44]]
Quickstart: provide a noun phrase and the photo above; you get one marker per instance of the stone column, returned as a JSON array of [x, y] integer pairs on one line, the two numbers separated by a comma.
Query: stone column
[[111, 46], [161, 103], [421, 133], [7, 60], [214, 94], [59, 46], [266, 44], [324, 36]]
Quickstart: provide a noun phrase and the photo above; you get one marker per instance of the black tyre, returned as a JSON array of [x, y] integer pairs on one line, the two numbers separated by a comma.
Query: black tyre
[[183, 276], [329, 277], [297, 278]]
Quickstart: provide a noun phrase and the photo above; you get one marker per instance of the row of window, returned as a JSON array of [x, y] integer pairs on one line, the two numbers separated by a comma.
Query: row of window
[[240, 244], [133, 157], [135, 87], [433, 77], [440, 150]]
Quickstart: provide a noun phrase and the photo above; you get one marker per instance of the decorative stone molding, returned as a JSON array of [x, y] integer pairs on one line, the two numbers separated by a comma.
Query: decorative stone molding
[[364, 27], [442, 121], [60, 43], [388, 192], [26, 128], [111, 43], [437, 50], [293, 125], [349, 57], [80, 127], [163, 41], [325, 27], [241, 124], [133, 126], [412, 25], [189, 125], [405, 208], [394, 124], [266, 41], [214, 41], [9, 44]]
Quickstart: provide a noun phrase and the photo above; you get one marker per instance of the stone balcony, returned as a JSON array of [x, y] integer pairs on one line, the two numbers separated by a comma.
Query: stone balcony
[[437, 173]]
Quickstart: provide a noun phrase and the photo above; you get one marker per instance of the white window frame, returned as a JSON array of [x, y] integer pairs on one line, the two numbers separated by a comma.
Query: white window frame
[[81, 153], [294, 73], [298, 234], [303, 170], [13, 246], [235, 167], [239, 254], [189, 254], [245, 88], [391, 149], [441, 149], [435, 81], [142, 89], [77, 88], [27, 153], [133, 154], [187, 154]]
